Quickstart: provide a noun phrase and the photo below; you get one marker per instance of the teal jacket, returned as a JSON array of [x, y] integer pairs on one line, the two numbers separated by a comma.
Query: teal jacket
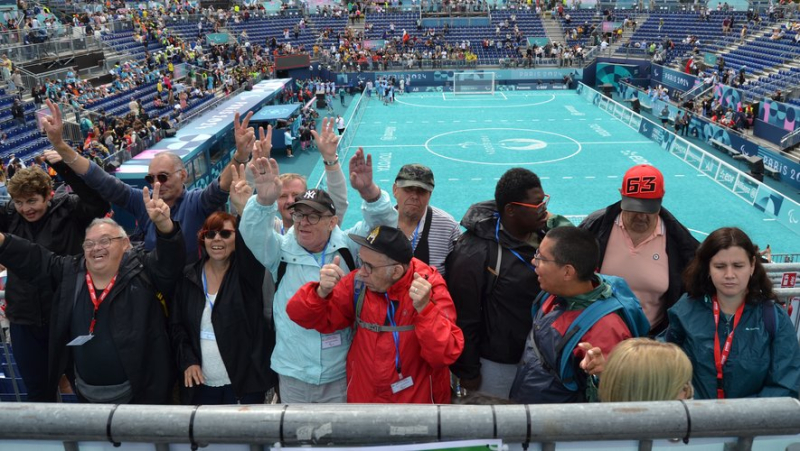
[[758, 365], [299, 352]]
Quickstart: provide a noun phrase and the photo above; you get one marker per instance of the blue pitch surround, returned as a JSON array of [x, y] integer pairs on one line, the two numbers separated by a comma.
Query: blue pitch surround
[[578, 150]]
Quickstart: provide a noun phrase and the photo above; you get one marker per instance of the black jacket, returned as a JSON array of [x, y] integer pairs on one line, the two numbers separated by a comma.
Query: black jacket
[[60, 230], [244, 338], [681, 245], [495, 321], [17, 110], [139, 329]]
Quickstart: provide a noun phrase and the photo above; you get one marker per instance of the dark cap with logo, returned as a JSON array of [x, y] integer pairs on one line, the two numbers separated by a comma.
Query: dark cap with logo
[[388, 241], [642, 189], [415, 174], [317, 199]]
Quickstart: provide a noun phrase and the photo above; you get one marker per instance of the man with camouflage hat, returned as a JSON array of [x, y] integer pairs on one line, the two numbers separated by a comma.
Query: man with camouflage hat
[[402, 305], [311, 366], [430, 230]]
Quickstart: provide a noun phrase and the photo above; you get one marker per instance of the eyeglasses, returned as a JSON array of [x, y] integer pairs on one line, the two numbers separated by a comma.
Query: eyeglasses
[[540, 207], [537, 257], [102, 243], [369, 267], [312, 218], [162, 177], [224, 234]]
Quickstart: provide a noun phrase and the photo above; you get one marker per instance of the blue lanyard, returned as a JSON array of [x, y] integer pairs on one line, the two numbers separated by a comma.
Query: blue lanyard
[[321, 261], [415, 236], [497, 237], [205, 290], [396, 335]]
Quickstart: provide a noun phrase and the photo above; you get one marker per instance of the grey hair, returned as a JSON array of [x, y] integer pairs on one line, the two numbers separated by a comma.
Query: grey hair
[[100, 221], [176, 160]]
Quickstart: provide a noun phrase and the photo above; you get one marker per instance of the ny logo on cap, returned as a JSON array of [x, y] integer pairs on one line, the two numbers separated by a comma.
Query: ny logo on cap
[[373, 235], [309, 194]]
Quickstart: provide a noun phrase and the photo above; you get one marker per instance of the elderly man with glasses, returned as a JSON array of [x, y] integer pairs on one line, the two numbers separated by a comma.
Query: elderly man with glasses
[[310, 365], [493, 283], [402, 304], [106, 317], [189, 207]]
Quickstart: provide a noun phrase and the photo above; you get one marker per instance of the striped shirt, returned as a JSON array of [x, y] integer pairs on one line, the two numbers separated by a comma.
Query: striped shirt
[[443, 233]]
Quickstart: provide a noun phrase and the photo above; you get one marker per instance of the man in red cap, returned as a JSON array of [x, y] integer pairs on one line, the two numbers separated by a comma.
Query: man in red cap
[[643, 243]]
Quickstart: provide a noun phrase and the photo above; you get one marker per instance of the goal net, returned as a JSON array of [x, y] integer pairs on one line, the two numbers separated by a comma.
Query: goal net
[[473, 83]]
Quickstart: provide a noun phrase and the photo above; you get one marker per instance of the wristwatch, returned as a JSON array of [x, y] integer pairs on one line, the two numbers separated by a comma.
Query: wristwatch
[[331, 163]]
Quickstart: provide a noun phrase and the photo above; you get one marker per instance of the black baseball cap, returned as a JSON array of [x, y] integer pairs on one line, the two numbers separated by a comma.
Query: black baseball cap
[[388, 241], [317, 199]]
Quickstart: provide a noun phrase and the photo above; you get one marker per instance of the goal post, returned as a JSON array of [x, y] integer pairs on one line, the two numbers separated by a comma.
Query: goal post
[[473, 83]]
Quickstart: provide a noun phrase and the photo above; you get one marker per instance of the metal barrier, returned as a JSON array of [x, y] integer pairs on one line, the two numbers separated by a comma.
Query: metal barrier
[[49, 49], [361, 425]]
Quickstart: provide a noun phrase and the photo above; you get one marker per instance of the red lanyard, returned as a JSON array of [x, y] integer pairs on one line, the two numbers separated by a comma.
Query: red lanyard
[[720, 357], [95, 300]]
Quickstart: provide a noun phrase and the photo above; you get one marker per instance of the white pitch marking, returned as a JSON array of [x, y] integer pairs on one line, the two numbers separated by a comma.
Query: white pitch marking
[[476, 179], [770, 219], [589, 177], [679, 175], [452, 180], [567, 178], [612, 176]]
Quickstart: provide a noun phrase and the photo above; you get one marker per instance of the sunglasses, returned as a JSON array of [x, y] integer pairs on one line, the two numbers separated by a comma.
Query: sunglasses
[[224, 234], [540, 207], [162, 177]]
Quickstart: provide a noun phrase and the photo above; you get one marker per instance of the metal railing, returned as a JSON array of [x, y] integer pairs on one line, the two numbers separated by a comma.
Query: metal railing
[[396, 424], [51, 49]]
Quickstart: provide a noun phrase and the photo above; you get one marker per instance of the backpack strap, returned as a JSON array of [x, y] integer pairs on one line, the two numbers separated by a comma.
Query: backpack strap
[[585, 321], [358, 298]]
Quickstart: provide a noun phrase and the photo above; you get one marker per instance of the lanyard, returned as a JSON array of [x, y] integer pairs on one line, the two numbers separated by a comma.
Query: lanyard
[[516, 254], [95, 300], [415, 235], [396, 335], [720, 357], [321, 261], [205, 290]]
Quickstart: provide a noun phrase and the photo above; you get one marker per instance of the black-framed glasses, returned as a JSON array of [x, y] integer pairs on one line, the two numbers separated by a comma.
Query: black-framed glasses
[[162, 177], [102, 243], [537, 257], [369, 267], [312, 218], [540, 207], [224, 234]]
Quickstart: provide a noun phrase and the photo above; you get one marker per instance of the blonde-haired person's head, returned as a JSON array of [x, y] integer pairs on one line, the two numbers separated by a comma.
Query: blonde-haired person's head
[[641, 369]]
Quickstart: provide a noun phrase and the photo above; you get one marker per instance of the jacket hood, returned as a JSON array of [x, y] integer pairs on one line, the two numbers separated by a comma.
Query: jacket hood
[[481, 219]]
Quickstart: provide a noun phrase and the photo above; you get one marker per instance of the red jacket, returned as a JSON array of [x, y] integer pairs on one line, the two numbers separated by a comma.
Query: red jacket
[[425, 352]]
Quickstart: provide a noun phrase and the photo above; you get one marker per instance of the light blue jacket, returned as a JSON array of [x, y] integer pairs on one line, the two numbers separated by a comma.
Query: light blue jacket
[[298, 351]]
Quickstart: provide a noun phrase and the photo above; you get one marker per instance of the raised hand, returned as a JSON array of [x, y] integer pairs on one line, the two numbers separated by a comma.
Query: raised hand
[[244, 136], [327, 141], [52, 156], [361, 175], [157, 209], [594, 362], [240, 190], [263, 147], [329, 276], [193, 376], [420, 292], [53, 125], [265, 175]]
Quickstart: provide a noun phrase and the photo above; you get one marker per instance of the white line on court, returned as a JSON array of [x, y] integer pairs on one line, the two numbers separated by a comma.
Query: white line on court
[[770, 219], [567, 178], [386, 145], [543, 178], [384, 180], [612, 176], [679, 175], [589, 177], [476, 179], [616, 142], [452, 180]]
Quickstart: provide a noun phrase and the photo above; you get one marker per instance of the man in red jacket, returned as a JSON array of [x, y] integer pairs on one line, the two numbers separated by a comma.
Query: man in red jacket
[[404, 317]]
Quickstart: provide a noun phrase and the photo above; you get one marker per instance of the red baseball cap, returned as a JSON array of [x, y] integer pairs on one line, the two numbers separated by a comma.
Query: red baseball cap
[[642, 189]]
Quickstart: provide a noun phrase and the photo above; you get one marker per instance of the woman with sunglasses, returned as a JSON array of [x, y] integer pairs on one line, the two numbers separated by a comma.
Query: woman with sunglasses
[[739, 342], [221, 340]]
